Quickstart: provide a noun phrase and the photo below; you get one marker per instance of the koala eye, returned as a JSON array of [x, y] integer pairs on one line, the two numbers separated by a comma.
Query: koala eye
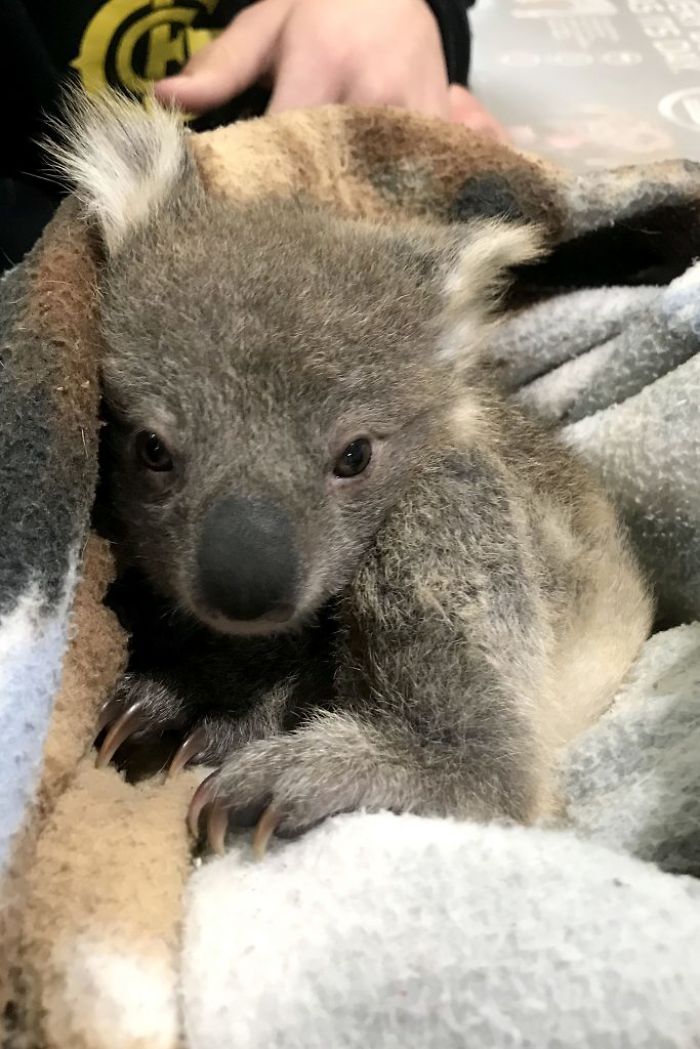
[[353, 459], [153, 452]]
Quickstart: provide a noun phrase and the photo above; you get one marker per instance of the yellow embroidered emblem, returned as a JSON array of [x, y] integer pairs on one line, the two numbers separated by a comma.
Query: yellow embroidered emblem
[[130, 43]]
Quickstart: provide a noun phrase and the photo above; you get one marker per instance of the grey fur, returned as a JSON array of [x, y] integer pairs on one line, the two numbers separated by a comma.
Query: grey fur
[[478, 602]]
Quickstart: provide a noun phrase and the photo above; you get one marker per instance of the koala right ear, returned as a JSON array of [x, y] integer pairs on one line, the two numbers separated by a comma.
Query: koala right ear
[[476, 284], [121, 160]]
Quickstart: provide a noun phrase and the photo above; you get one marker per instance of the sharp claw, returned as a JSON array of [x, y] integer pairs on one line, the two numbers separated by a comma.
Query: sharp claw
[[190, 748], [267, 825], [203, 795], [217, 825], [109, 712], [125, 726]]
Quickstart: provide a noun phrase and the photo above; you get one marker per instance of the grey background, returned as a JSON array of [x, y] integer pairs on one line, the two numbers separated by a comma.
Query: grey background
[[590, 83]]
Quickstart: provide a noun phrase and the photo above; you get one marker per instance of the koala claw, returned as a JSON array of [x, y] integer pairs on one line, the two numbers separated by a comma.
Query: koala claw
[[191, 747], [267, 825], [110, 710], [202, 797], [133, 718], [217, 823], [204, 801]]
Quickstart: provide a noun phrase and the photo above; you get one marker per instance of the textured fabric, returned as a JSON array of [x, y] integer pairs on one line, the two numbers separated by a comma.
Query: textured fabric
[[619, 368], [386, 931]]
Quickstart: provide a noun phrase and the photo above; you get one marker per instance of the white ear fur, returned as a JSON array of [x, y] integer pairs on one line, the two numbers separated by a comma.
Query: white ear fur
[[120, 159], [474, 286]]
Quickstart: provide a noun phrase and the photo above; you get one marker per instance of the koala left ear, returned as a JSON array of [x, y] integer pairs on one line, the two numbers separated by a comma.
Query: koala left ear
[[476, 284], [120, 159]]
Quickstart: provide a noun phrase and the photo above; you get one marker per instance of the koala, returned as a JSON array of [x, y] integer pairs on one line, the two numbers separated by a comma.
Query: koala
[[369, 580]]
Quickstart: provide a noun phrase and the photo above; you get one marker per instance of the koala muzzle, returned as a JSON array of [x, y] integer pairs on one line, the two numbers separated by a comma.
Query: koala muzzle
[[247, 563]]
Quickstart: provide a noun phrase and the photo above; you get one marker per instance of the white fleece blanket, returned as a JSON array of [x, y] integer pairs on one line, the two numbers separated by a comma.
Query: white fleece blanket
[[386, 932]]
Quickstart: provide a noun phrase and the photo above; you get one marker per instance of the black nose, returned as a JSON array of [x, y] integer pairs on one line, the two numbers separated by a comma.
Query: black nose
[[247, 561]]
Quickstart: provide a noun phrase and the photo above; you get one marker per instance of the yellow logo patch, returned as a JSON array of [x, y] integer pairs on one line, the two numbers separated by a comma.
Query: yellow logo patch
[[131, 43]]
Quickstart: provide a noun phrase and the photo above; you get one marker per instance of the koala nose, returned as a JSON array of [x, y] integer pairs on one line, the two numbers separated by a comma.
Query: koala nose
[[247, 564]]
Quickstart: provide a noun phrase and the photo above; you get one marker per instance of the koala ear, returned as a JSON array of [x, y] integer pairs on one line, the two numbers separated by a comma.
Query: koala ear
[[476, 284], [120, 159]]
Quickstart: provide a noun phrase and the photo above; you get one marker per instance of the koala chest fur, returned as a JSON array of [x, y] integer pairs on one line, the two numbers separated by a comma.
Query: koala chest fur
[[384, 586]]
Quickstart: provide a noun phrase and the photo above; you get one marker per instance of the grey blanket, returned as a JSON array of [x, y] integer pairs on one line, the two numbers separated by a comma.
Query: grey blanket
[[403, 933], [619, 367]]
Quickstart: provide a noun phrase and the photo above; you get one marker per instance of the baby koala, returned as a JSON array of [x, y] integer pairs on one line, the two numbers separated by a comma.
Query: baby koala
[[384, 586]]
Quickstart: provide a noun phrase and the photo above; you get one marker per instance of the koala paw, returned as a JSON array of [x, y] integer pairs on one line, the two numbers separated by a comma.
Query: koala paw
[[140, 710], [289, 783], [147, 726]]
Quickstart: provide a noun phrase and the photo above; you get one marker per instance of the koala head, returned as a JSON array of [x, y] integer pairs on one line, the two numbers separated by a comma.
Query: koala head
[[276, 376]]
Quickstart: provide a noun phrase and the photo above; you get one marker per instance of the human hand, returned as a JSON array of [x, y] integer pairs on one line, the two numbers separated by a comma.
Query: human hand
[[361, 52], [466, 110]]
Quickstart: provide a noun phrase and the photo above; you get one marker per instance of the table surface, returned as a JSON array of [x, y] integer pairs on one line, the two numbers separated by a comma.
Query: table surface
[[592, 83]]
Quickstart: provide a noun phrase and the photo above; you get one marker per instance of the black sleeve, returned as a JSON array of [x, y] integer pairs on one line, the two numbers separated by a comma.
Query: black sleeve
[[452, 19]]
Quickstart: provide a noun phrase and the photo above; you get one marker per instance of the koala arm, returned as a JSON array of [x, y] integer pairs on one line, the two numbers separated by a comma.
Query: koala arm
[[426, 717]]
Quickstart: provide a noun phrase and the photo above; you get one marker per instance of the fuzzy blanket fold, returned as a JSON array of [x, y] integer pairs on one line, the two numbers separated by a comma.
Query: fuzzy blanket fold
[[373, 930], [619, 368]]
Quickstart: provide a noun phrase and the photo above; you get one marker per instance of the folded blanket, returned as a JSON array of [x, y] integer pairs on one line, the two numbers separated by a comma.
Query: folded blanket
[[401, 932], [619, 368], [93, 870]]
